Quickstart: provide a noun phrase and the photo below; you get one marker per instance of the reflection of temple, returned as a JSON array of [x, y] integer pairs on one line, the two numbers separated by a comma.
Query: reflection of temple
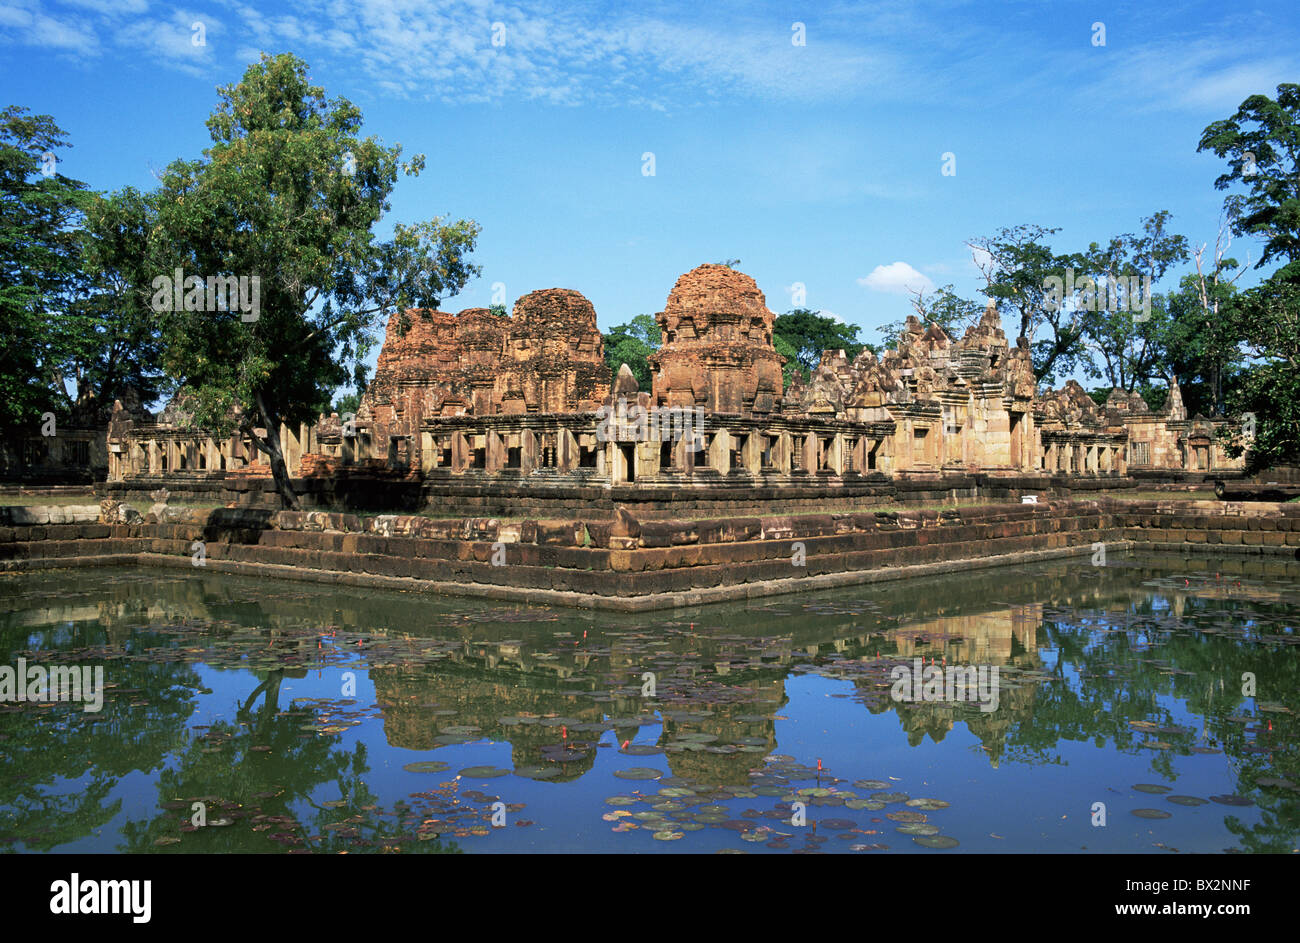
[[477, 395]]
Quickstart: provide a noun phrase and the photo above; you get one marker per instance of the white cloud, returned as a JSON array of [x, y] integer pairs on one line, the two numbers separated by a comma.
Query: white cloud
[[897, 278], [172, 41]]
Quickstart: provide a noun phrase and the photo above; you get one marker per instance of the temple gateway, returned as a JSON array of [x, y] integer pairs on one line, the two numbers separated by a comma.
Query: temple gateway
[[476, 396]]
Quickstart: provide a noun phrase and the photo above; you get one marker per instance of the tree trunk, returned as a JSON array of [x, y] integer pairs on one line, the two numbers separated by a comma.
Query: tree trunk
[[279, 471]]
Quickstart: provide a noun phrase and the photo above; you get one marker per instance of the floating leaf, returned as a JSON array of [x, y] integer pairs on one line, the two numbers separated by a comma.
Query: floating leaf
[[1229, 799], [638, 772], [927, 805], [1151, 813], [936, 841], [483, 772], [427, 766], [1187, 800]]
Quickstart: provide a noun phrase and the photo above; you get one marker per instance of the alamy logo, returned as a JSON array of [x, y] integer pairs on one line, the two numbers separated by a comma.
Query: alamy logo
[[181, 292], [76, 896], [949, 684], [38, 684], [1126, 293]]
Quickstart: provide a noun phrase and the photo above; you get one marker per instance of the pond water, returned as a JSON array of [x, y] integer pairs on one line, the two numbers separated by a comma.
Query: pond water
[[288, 716]]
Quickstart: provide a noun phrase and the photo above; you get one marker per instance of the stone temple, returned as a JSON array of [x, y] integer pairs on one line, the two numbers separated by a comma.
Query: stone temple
[[528, 399]]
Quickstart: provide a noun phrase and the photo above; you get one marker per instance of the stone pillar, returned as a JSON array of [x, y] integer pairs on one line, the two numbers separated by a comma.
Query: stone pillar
[[428, 453], [527, 451], [836, 458], [566, 451], [752, 454], [460, 452], [809, 454], [720, 452]]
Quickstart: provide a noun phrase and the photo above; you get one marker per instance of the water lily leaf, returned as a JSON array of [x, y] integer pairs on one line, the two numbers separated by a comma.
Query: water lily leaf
[[836, 824], [638, 772], [1152, 788], [927, 805], [889, 797], [1151, 813], [483, 772], [667, 835], [1229, 799], [1187, 800], [427, 766], [936, 841]]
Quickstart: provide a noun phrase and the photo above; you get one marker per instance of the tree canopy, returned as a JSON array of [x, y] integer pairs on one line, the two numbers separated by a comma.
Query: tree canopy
[[285, 202]]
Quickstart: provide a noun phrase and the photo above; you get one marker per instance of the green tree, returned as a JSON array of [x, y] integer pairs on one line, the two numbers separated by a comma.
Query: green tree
[[347, 403], [1262, 144], [1203, 342], [944, 307], [40, 212], [1017, 263], [784, 348], [118, 348], [289, 193], [631, 344], [1127, 328], [809, 333], [499, 311]]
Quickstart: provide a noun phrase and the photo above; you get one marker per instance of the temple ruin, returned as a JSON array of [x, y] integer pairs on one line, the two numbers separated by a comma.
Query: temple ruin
[[457, 397]]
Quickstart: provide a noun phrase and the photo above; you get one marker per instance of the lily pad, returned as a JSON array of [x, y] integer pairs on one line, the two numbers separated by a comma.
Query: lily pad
[[927, 805], [1151, 813], [483, 772], [537, 772], [638, 772], [888, 797], [836, 824], [1187, 800], [1229, 799], [667, 835], [427, 766], [641, 749], [936, 841], [1152, 788]]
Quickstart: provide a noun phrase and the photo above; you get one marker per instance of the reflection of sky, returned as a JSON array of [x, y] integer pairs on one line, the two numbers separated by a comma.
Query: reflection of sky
[[1044, 806]]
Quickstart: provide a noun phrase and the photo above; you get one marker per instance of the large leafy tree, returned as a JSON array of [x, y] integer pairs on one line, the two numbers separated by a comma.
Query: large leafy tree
[[116, 350], [1262, 144], [1126, 329], [289, 193], [1016, 263], [1203, 343], [40, 212], [809, 333], [632, 343]]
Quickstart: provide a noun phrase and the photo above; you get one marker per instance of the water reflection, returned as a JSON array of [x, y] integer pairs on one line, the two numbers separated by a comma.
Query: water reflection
[[1142, 659]]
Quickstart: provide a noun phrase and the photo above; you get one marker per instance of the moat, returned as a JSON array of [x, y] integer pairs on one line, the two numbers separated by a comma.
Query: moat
[[303, 717]]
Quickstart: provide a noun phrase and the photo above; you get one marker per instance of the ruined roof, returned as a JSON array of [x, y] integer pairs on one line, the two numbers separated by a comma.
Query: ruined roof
[[717, 289]]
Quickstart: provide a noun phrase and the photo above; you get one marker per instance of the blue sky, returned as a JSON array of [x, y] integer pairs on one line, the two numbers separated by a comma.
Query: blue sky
[[817, 164]]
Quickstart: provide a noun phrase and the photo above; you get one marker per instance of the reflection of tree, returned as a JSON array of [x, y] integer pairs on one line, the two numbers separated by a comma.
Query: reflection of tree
[[59, 763], [238, 783]]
